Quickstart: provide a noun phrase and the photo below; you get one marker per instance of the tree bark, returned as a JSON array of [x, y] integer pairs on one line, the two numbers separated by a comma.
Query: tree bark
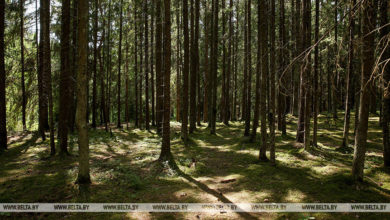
[[159, 73], [22, 64], [367, 67], [147, 110], [166, 145], [3, 112], [192, 71], [119, 123], [184, 125], [83, 175]]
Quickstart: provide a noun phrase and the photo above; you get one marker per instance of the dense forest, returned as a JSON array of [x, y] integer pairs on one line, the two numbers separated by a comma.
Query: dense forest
[[161, 93]]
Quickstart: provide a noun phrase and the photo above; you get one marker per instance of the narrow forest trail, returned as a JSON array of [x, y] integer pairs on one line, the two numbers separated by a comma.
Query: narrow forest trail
[[212, 168]]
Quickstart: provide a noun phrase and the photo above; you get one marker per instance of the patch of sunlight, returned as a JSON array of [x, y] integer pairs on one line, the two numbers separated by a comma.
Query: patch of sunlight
[[326, 170], [245, 196], [294, 195]]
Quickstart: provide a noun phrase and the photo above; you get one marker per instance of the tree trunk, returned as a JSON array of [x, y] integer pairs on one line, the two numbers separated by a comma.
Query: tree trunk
[[94, 85], [272, 82], [22, 64], [83, 175], [159, 73], [184, 125], [306, 68], [192, 72], [166, 144], [349, 78], [147, 112], [249, 71], [367, 67], [65, 79], [119, 123], [214, 69], [316, 72], [384, 5], [196, 45], [3, 112]]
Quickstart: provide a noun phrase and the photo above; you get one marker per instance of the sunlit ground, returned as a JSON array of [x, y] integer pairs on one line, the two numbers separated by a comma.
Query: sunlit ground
[[213, 168]]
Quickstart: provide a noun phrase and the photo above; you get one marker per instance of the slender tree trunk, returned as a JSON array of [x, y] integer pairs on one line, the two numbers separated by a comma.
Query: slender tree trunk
[[306, 68], [72, 113], [147, 110], [184, 126], [384, 5], [214, 70], [223, 89], [82, 127], [22, 64], [94, 85], [336, 73], [178, 62], [367, 67], [282, 97], [263, 35], [192, 71], [272, 82], [3, 112], [152, 84], [159, 73], [166, 144], [127, 113], [65, 79], [136, 67], [119, 123], [249, 71], [196, 45], [245, 82], [206, 81], [316, 94], [349, 78]]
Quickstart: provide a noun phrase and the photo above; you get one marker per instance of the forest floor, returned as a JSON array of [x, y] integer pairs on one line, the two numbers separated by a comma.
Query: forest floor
[[212, 169]]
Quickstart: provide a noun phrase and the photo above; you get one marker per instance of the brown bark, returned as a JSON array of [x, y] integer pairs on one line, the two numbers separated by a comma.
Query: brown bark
[[21, 4], [81, 112], [159, 73], [367, 67], [166, 144], [184, 125], [3, 112], [147, 110], [192, 71], [119, 123], [65, 78]]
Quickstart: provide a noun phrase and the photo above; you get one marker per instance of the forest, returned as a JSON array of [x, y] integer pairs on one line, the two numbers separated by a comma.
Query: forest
[[195, 101]]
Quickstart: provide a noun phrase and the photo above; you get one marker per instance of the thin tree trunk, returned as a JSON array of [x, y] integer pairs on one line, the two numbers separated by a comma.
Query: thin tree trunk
[[152, 84], [147, 110], [316, 72], [119, 123], [206, 81], [3, 112], [136, 67], [196, 46], [22, 64], [306, 68], [94, 86], [214, 70], [159, 73], [249, 71], [272, 82], [349, 78], [184, 125], [192, 71]]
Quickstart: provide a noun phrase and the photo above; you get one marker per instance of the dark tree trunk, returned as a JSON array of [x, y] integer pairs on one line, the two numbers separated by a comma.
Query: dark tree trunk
[[306, 69], [94, 78], [22, 64], [384, 6], [349, 78], [196, 45], [166, 144], [136, 67], [316, 72], [272, 82], [119, 123], [192, 72], [147, 110], [249, 70], [3, 123], [184, 126], [159, 73], [367, 67], [214, 68], [65, 79], [206, 81]]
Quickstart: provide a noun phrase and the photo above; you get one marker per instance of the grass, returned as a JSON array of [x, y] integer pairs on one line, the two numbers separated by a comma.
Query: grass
[[211, 169]]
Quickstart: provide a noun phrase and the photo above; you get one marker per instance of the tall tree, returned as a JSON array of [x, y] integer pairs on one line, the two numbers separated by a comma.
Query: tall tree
[[384, 5], [229, 66], [81, 112], [94, 78], [136, 67], [336, 73], [272, 82], [282, 97], [263, 35], [306, 68], [166, 144], [206, 81], [349, 78], [119, 123], [367, 67], [197, 69], [65, 78], [159, 73], [249, 69], [147, 112], [21, 4], [184, 122], [316, 72], [3, 123], [214, 67], [193, 67]]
